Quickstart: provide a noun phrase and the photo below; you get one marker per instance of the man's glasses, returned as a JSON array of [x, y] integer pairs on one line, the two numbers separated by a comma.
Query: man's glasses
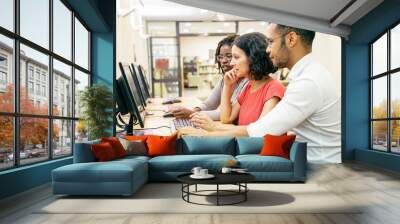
[[221, 57]]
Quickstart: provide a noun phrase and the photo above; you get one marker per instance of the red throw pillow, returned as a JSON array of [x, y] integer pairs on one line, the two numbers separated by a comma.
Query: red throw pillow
[[116, 145], [136, 137], [277, 145], [161, 145], [103, 152]]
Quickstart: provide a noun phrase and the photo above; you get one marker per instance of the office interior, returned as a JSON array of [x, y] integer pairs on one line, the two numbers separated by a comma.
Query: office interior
[[174, 42]]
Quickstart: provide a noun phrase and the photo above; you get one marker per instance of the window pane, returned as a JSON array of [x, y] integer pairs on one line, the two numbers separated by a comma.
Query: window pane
[[395, 138], [62, 29], [35, 21], [62, 89], [81, 81], [379, 55], [34, 72], [81, 45], [395, 47], [33, 139], [62, 138], [6, 142], [81, 131], [379, 135], [7, 14], [395, 94], [6, 74], [379, 98]]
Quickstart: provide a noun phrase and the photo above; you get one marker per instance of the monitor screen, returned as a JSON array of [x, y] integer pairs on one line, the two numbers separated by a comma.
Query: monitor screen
[[137, 79], [142, 80], [125, 101], [126, 70]]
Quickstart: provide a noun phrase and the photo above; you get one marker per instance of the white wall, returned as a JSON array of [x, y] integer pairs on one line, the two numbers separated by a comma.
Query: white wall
[[131, 44], [327, 50], [199, 46]]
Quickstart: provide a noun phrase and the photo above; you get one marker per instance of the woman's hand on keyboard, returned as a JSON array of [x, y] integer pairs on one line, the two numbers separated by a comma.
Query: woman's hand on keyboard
[[202, 120], [181, 112], [191, 131]]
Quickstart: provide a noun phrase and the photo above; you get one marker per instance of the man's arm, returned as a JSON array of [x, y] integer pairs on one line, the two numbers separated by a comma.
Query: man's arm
[[302, 98]]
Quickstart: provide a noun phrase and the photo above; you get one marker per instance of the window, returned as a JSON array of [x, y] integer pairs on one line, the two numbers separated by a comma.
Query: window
[[7, 14], [81, 45], [385, 94], [45, 131]]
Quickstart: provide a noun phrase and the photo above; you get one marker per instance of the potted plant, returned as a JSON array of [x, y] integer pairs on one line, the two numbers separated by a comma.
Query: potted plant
[[96, 103]]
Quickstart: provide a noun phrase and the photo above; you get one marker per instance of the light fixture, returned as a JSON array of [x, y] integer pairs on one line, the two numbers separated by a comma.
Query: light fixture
[[220, 17]]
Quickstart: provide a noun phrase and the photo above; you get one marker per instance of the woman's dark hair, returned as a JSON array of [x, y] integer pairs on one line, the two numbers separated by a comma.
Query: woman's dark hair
[[255, 46], [226, 41]]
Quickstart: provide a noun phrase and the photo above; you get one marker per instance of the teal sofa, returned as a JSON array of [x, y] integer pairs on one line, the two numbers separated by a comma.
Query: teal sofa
[[125, 176]]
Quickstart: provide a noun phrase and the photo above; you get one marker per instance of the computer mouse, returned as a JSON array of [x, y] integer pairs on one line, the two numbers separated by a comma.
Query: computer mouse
[[168, 114]]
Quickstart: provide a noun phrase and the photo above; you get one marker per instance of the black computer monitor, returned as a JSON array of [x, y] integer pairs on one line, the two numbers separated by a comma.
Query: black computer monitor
[[142, 80], [126, 105], [141, 92], [127, 71], [127, 96]]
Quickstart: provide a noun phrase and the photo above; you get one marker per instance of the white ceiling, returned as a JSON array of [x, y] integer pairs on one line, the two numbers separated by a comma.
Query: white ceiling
[[319, 15]]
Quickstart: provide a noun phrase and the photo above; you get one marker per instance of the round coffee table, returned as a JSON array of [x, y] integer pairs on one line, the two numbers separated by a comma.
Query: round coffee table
[[238, 179]]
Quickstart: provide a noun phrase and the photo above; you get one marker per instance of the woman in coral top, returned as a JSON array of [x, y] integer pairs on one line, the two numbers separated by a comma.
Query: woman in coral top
[[261, 94]]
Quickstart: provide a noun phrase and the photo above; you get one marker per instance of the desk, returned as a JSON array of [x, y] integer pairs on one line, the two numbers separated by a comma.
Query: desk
[[158, 109]]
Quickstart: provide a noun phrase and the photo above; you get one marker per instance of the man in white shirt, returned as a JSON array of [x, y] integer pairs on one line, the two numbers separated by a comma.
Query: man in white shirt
[[310, 107]]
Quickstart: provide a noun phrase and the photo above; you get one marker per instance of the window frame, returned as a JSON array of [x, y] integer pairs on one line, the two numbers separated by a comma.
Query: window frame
[[388, 74], [18, 40]]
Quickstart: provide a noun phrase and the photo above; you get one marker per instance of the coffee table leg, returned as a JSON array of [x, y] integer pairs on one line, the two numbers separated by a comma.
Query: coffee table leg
[[217, 194]]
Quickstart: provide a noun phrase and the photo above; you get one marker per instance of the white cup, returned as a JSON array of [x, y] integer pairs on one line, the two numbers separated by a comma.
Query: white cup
[[226, 170], [203, 172], [196, 170]]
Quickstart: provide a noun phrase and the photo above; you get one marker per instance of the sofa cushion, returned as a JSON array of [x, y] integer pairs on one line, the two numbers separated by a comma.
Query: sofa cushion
[[116, 145], [191, 145], [112, 171], [83, 152], [185, 163], [249, 145], [277, 145], [103, 152], [257, 163], [161, 145]]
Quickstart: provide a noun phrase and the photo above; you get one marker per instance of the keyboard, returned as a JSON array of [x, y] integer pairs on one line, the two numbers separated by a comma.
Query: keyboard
[[177, 124]]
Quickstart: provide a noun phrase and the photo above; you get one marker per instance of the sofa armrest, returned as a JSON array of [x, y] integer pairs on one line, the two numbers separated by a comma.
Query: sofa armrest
[[298, 155], [83, 152]]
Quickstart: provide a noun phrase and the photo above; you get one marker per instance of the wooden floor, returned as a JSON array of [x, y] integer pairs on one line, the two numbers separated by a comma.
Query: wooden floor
[[378, 188]]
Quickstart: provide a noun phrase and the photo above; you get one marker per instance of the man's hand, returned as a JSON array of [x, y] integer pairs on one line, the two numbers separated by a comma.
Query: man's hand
[[202, 120], [182, 112], [191, 131]]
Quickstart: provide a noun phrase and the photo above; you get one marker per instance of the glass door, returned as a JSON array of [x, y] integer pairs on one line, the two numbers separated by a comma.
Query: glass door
[[165, 67]]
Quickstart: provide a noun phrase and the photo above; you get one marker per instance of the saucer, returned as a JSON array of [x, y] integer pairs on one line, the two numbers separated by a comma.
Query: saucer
[[208, 176]]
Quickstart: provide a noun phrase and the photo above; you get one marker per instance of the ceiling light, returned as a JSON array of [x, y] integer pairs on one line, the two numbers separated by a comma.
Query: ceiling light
[[220, 17]]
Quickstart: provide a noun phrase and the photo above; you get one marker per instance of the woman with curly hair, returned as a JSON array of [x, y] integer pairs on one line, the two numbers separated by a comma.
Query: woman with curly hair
[[259, 96]]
